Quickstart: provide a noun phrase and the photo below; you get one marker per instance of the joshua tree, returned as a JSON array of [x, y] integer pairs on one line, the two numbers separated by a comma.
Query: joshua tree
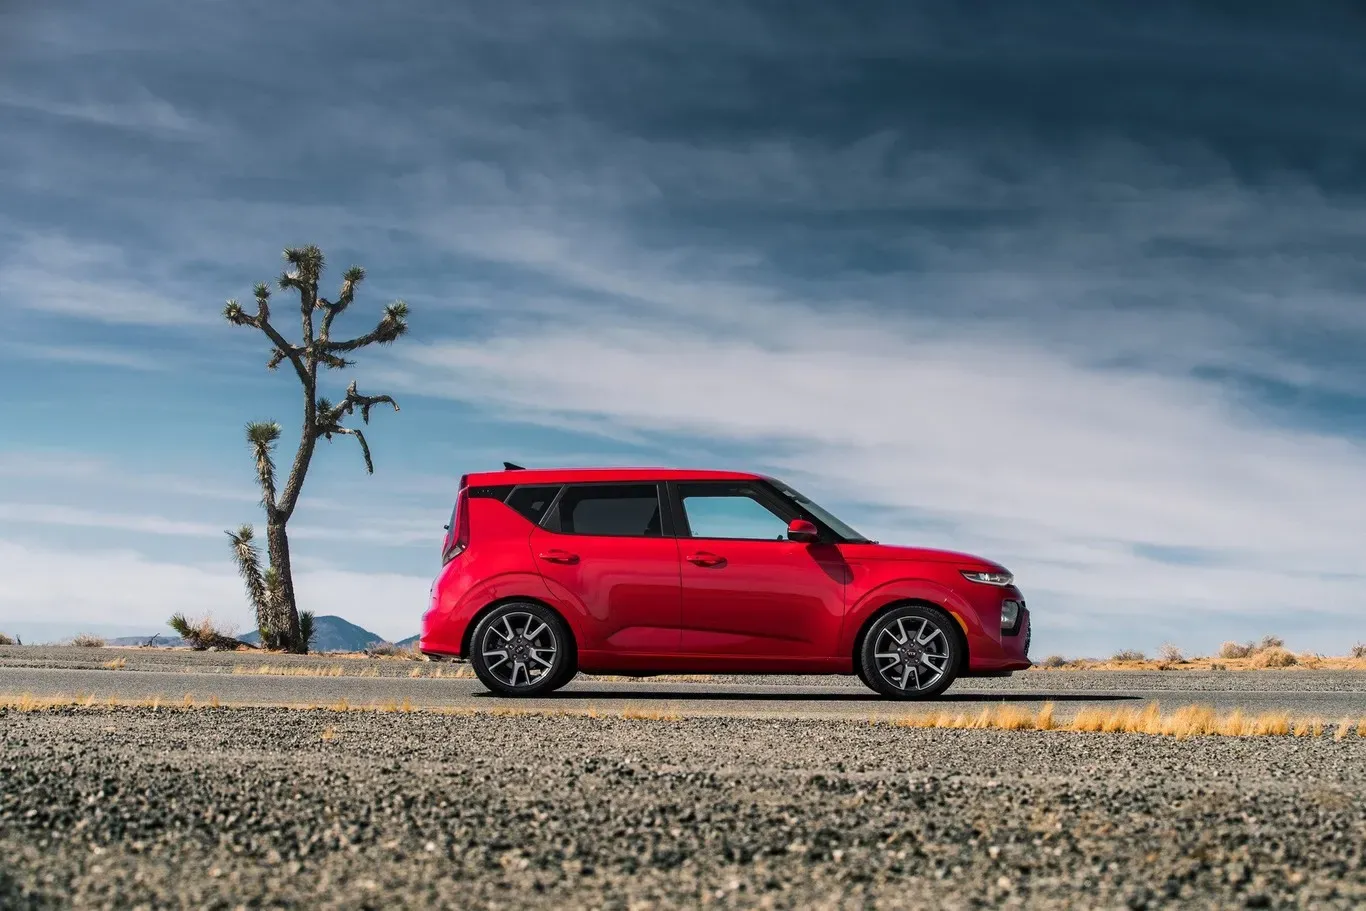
[[272, 590]]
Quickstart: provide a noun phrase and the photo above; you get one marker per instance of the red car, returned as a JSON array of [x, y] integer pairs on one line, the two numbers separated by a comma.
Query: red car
[[637, 571]]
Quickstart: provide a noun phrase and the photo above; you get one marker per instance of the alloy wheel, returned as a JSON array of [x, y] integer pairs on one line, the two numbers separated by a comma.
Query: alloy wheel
[[519, 649], [912, 654]]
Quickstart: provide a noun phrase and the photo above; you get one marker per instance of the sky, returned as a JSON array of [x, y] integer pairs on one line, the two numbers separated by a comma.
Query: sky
[[1074, 286]]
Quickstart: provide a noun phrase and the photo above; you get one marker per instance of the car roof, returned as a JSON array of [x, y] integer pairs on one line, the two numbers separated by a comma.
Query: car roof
[[602, 475]]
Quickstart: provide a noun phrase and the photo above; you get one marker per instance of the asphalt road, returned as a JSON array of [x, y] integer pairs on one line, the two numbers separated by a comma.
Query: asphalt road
[[1329, 695]]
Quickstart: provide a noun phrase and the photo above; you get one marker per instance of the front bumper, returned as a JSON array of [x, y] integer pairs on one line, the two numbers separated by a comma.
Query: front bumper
[[1000, 657]]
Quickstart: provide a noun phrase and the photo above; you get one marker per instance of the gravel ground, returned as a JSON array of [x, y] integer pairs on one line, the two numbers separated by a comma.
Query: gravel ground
[[270, 807]]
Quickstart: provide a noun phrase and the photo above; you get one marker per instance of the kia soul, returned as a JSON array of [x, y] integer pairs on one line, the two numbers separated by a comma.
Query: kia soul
[[640, 571]]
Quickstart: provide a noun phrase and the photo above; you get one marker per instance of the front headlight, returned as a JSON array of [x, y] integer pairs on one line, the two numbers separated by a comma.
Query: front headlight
[[1001, 579]]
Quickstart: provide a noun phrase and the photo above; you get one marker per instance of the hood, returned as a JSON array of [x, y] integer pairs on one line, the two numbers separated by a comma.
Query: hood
[[920, 555]]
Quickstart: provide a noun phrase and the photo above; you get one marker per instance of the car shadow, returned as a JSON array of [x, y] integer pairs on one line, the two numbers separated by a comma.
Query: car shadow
[[807, 696]]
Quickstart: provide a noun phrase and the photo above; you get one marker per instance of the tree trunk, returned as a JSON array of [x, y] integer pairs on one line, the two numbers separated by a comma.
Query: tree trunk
[[287, 623]]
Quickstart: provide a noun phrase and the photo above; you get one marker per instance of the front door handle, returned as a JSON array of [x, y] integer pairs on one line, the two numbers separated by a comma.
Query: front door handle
[[702, 558], [559, 556]]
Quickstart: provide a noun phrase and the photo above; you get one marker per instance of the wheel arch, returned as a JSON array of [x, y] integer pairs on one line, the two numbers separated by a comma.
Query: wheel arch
[[959, 629], [493, 605]]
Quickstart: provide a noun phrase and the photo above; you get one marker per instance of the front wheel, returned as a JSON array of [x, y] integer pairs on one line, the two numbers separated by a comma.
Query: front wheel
[[522, 649], [910, 652]]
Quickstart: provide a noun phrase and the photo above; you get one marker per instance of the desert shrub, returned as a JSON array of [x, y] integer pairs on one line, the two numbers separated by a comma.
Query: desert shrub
[[201, 633], [1054, 661], [1169, 652], [1128, 654], [1270, 642], [86, 640], [307, 630], [1236, 650], [1275, 657], [5, 640], [1359, 650]]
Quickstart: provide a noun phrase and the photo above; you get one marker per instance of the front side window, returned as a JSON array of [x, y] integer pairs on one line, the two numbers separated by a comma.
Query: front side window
[[618, 510], [737, 511]]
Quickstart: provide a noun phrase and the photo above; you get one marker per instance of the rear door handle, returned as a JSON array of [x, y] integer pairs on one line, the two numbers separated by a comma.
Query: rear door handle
[[702, 558], [559, 556]]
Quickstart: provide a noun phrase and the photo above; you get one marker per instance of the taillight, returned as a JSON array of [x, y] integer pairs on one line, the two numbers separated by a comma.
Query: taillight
[[458, 538]]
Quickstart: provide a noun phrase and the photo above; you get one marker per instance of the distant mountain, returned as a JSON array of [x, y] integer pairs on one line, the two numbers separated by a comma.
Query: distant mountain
[[332, 634], [410, 642]]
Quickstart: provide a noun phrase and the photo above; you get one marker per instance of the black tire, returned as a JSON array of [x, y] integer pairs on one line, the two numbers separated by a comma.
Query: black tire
[[520, 670], [930, 653], [858, 669]]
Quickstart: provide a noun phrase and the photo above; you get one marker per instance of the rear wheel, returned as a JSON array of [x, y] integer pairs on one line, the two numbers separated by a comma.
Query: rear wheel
[[522, 649], [910, 652]]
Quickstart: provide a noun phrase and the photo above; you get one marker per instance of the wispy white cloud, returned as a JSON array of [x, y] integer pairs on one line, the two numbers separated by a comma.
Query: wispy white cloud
[[54, 275], [89, 355], [140, 110]]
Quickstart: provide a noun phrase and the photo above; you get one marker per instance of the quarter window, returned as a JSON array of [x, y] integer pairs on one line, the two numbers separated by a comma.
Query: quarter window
[[532, 502], [619, 510], [730, 511]]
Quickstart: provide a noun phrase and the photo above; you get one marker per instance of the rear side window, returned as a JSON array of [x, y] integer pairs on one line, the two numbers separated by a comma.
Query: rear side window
[[619, 510], [532, 502]]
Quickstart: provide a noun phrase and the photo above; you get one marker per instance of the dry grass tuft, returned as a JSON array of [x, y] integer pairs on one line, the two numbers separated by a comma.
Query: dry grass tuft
[[1125, 656], [1186, 721], [650, 715], [329, 733], [117, 664], [284, 670], [447, 672], [1274, 656], [6, 640], [1359, 650], [87, 640], [1236, 650], [1054, 661]]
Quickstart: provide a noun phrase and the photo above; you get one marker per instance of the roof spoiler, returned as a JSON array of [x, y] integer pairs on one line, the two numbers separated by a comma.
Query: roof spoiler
[[508, 466]]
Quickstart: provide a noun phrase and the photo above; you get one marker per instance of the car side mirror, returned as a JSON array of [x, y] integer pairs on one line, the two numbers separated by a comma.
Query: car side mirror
[[802, 530]]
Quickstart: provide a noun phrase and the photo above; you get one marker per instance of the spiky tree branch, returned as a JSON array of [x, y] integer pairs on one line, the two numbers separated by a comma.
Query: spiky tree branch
[[248, 560], [321, 419], [262, 436]]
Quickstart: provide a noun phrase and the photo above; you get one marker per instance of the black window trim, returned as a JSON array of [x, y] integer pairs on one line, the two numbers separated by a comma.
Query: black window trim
[[666, 523], [768, 495]]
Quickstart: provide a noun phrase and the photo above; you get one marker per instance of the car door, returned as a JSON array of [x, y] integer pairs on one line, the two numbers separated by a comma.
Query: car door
[[608, 552], [747, 590]]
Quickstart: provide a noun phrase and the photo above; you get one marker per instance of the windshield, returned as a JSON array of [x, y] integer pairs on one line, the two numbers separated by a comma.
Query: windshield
[[822, 514]]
